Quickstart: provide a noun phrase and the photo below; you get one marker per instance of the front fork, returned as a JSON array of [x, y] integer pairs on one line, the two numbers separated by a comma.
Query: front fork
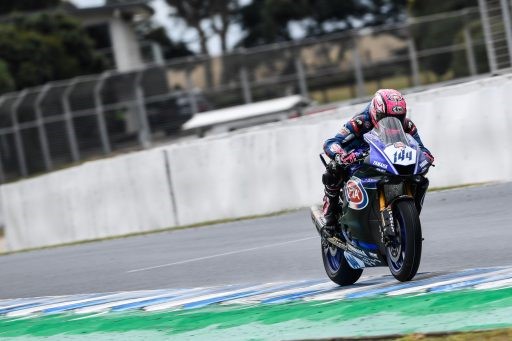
[[415, 192], [387, 221]]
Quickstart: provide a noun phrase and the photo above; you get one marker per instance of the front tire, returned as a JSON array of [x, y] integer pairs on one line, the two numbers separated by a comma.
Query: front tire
[[337, 267], [404, 254]]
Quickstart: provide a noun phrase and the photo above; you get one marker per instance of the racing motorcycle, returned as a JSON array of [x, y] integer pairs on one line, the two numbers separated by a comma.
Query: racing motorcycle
[[380, 202]]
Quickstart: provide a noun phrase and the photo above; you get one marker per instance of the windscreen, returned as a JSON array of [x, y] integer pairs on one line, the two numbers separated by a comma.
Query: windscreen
[[390, 131]]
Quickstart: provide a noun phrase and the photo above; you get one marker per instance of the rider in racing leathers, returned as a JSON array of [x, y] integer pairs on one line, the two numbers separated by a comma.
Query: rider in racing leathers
[[385, 103]]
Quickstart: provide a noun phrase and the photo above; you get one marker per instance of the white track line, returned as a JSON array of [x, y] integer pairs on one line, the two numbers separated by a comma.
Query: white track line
[[179, 303], [106, 306], [221, 255], [261, 297], [115, 296], [507, 282], [423, 288], [360, 287]]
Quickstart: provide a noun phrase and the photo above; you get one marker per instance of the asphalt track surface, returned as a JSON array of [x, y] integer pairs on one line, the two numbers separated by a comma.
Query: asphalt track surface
[[463, 228]]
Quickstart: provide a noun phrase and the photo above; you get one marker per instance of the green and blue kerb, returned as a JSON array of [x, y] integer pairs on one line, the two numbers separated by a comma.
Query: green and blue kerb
[[468, 300]]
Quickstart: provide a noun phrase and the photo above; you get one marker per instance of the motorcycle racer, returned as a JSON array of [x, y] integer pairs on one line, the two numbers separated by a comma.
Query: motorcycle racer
[[340, 149]]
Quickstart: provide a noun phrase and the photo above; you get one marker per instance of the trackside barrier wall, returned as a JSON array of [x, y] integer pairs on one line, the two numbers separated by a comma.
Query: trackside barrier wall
[[468, 128], [110, 197], [256, 171]]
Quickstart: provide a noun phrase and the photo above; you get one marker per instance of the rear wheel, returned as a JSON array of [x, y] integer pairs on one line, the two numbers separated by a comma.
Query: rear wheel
[[404, 253], [337, 267]]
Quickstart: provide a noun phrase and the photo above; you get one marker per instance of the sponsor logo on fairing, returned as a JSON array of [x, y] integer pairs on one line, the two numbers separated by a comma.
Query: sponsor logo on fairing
[[356, 194], [365, 258], [424, 163], [357, 251], [380, 164]]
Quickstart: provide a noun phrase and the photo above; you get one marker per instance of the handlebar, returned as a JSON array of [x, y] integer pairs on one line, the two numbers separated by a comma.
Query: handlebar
[[360, 156]]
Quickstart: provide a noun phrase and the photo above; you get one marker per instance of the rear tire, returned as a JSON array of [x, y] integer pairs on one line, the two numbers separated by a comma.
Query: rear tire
[[404, 257], [337, 267]]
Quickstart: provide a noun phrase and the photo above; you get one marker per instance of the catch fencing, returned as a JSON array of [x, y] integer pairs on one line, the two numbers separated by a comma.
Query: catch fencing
[[67, 122]]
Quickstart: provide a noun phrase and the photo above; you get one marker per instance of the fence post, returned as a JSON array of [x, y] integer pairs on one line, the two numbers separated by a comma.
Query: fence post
[[70, 127], [144, 132], [358, 70], [100, 115], [470, 53], [192, 100], [246, 86], [508, 28], [22, 163], [2, 173], [301, 77], [413, 58], [158, 56], [491, 56], [43, 137]]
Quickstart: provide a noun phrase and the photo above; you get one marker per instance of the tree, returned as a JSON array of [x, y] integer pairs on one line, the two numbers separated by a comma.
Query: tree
[[206, 16], [267, 21], [420, 7], [9, 6], [223, 15], [45, 47], [338, 15], [170, 49], [6, 81]]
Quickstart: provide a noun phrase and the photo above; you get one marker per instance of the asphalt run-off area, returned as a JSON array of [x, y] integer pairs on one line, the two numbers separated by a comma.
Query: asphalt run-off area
[[264, 279]]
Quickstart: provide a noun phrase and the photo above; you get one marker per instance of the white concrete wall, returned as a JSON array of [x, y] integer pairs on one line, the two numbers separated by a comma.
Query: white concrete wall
[[271, 168], [468, 128], [261, 170], [98, 199]]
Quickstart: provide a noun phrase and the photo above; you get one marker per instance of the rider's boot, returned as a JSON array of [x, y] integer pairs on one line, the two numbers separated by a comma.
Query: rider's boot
[[330, 208]]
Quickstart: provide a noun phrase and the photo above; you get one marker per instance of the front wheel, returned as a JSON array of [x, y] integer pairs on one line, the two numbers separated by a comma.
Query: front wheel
[[404, 252], [337, 267]]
